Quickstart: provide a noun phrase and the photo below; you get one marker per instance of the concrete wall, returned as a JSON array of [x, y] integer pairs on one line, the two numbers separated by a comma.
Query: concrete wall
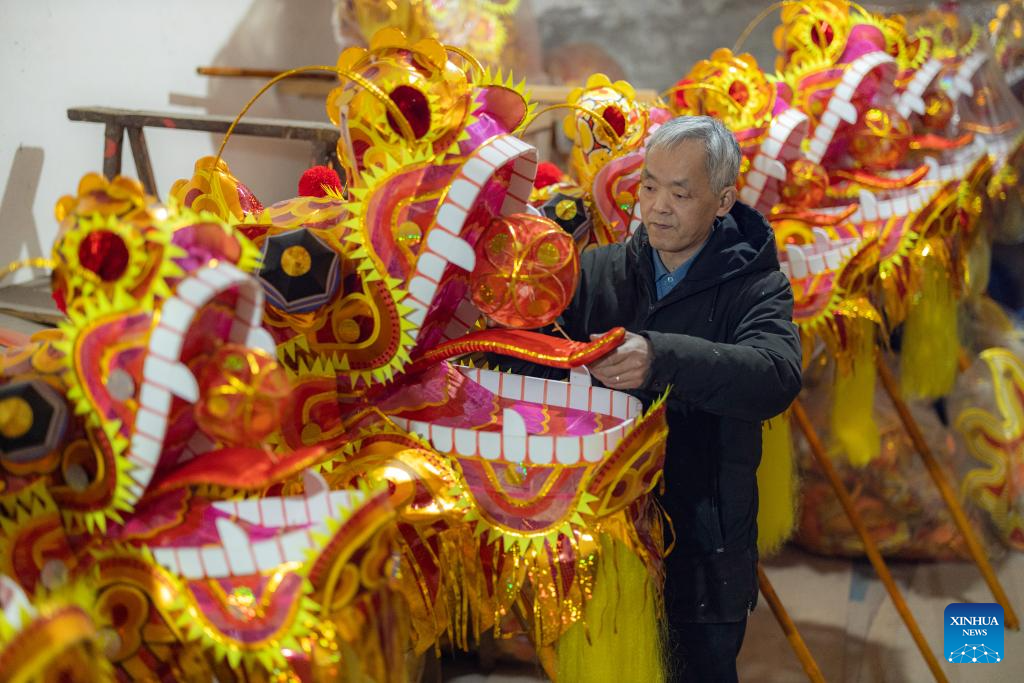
[[655, 42]]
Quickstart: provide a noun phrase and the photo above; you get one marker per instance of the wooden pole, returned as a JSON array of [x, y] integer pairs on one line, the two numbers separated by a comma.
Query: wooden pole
[[946, 491], [789, 628], [822, 458]]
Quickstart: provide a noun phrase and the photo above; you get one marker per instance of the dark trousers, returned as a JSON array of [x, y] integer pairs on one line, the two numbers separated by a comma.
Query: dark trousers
[[704, 653]]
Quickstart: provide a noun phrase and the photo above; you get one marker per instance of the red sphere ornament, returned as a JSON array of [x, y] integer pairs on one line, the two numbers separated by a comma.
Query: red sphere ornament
[[312, 182], [547, 174], [938, 110], [243, 395], [881, 139], [526, 271], [805, 186]]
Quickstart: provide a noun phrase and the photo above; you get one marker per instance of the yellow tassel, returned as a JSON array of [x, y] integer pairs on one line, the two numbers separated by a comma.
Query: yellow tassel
[[979, 267], [928, 357], [776, 485], [620, 638], [852, 418]]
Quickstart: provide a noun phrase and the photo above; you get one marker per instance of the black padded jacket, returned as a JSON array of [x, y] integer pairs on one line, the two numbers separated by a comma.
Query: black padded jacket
[[724, 341]]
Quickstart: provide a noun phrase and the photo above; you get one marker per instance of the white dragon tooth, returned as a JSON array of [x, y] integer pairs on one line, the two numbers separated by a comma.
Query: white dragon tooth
[[422, 289], [817, 149], [490, 445], [165, 557], [477, 170], [771, 147], [512, 423], [775, 169], [756, 179], [868, 205], [830, 120], [933, 167], [267, 554], [295, 544], [822, 241], [844, 109], [442, 437], [580, 376], [465, 442], [593, 447], [816, 263], [313, 483], [431, 265], [167, 340], [749, 195], [215, 562], [237, 547], [174, 376], [189, 565], [885, 210], [542, 449], [416, 316], [146, 448], [900, 206], [455, 249], [833, 259], [913, 103], [567, 449], [15, 604], [259, 338], [797, 262]]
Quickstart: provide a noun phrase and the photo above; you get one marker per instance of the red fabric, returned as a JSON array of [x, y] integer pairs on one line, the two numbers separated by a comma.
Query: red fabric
[[312, 182]]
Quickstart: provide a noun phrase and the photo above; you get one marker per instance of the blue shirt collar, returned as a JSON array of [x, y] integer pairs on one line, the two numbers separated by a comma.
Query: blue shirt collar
[[664, 280]]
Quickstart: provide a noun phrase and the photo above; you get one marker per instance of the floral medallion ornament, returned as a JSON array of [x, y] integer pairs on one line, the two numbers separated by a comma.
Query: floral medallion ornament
[[526, 271]]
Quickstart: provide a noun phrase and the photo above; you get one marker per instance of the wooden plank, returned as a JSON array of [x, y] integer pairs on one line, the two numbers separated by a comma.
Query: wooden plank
[[137, 140], [270, 128]]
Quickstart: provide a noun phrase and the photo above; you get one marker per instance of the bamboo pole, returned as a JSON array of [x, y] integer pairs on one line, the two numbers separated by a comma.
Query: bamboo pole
[[948, 496], [796, 641], [822, 458]]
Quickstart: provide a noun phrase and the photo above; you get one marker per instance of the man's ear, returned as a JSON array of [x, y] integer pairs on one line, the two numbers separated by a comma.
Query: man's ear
[[725, 201]]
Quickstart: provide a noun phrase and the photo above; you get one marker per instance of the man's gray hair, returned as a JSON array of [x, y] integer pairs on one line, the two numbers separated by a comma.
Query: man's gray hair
[[721, 151]]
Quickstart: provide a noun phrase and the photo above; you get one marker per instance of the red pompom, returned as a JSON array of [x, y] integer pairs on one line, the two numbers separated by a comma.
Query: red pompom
[[547, 174], [312, 182]]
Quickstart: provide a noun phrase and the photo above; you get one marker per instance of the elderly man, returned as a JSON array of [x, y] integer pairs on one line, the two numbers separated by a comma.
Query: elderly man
[[709, 317]]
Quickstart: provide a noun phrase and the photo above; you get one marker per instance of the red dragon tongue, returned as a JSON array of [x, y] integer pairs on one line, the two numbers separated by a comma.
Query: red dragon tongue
[[524, 345], [238, 468]]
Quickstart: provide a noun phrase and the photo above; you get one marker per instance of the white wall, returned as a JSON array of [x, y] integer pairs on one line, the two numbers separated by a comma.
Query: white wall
[[57, 54]]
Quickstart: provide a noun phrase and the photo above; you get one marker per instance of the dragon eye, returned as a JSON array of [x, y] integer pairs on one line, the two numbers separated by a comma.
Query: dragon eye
[[614, 116], [822, 34], [414, 107], [105, 254], [738, 92]]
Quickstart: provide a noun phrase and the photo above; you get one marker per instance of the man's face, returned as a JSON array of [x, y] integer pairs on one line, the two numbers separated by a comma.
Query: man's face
[[677, 203]]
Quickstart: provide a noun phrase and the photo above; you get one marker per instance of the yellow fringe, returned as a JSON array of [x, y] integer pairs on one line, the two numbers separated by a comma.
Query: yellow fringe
[[776, 485], [620, 638], [928, 357], [852, 418]]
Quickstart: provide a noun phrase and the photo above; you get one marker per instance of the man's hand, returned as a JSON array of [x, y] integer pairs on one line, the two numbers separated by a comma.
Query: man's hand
[[627, 366]]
